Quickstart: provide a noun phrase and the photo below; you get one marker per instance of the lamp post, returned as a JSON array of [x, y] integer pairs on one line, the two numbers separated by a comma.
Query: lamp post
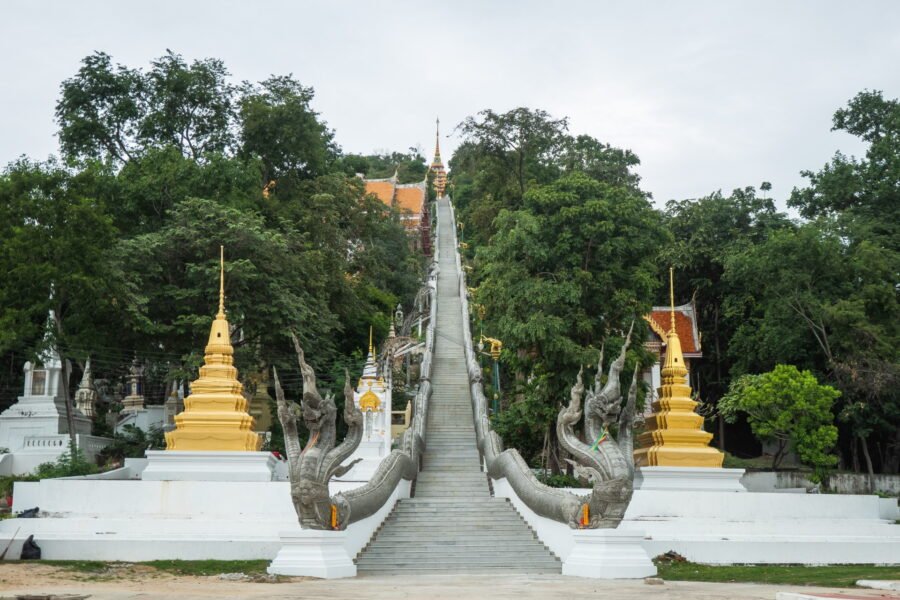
[[496, 349]]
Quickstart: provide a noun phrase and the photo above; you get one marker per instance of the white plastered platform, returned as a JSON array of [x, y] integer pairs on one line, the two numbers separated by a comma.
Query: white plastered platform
[[689, 479], [121, 517], [130, 519], [172, 465], [738, 528]]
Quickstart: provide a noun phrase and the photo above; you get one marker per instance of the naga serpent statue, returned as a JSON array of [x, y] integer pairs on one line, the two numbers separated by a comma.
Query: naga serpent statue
[[607, 463], [311, 468]]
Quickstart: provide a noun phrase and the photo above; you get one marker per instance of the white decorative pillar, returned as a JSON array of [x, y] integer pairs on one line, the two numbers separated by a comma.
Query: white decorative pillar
[[313, 553], [608, 554]]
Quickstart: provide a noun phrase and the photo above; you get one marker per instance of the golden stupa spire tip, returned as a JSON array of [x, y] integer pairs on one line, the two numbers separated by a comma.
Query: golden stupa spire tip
[[672, 294], [437, 139], [221, 280], [371, 347]]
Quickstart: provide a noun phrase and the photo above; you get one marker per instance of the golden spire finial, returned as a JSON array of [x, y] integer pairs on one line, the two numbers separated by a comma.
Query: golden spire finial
[[437, 140], [672, 294], [221, 281], [371, 348]]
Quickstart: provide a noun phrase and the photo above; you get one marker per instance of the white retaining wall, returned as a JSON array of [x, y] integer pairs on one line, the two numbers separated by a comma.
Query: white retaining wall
[[729, 528], [841, 483], [134, 520]]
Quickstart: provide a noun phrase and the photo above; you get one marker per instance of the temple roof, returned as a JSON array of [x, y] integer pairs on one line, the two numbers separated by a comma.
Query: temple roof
[[685, 325], [382, 188], [411, 197]]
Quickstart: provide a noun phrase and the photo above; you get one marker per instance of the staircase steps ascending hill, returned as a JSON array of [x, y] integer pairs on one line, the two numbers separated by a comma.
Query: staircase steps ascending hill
[[453, 524]]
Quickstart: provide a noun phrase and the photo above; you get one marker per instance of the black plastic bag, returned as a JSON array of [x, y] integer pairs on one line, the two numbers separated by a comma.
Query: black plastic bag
[[30, 550]]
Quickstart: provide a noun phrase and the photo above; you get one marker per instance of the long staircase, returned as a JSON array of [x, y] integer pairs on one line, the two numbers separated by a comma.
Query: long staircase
[[453, 523]]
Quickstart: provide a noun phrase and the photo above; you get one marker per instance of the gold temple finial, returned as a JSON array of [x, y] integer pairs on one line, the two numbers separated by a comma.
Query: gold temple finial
[[672, 294], [371, 348], [437, 166], [221, 280], [437, 140]]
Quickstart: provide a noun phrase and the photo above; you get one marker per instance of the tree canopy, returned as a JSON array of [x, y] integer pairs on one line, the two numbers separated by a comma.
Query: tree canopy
[[159, 167], [564, 247]]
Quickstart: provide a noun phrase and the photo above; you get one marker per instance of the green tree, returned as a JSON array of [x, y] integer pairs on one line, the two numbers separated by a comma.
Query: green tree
[[830, 307], [789, 407], [101, 109], [570, 269], [862, 193], [54, 237], [142, 193], [410, 167], [279, 127], [601, 161], [189, 107], [509, 151], [114, 113], [273, 283]]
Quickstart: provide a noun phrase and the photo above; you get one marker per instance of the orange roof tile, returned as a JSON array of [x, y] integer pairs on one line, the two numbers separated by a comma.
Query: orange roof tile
[[660, 322], [411, 199], [383, 189]]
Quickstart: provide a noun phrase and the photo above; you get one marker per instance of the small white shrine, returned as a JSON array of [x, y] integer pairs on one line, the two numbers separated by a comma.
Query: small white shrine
[[373, 398], [34, 430]]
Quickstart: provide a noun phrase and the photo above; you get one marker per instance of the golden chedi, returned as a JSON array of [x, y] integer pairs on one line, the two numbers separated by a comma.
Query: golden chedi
[[215, 415], [675, 436]]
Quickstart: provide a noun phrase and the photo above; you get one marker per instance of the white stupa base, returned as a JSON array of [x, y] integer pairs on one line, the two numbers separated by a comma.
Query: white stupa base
[[313, 553], [608, 554], [690, 479], [176, 465]]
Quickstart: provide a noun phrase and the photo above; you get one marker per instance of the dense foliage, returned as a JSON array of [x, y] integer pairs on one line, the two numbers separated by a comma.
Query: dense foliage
[[158, 168], [565, 251], [565, 262]]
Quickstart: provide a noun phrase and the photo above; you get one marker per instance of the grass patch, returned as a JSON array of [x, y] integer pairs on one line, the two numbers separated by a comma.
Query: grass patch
[[210, 567], [198, 568], [828, 576], [81, 566]]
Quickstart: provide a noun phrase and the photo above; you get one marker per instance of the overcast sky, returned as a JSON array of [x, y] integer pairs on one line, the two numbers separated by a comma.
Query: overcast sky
[[709, 94]]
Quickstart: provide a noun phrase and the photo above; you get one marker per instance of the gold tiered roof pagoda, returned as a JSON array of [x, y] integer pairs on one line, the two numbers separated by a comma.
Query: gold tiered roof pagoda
[[440, 175], [215, 415], [675, 435]]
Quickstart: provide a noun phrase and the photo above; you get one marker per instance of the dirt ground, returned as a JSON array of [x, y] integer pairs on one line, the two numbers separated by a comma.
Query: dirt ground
[[143, 582]]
